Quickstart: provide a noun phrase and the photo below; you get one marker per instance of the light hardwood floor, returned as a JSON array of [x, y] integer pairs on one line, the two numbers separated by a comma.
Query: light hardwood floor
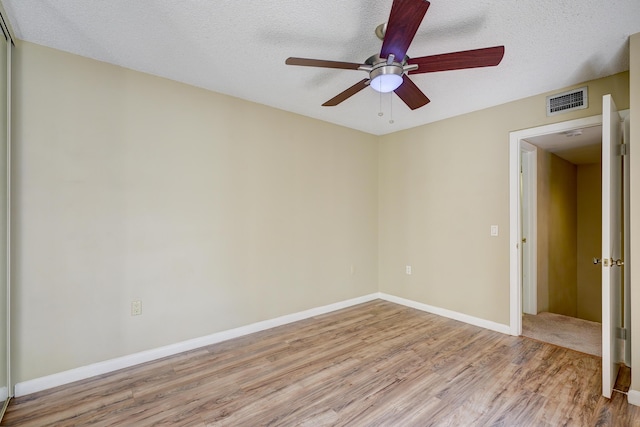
[[376, 364]]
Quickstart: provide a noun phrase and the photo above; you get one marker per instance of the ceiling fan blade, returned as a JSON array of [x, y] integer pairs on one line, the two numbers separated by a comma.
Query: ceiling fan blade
[[404, 20], [322, 63], [486, 57], [347, 93], [411, 94]]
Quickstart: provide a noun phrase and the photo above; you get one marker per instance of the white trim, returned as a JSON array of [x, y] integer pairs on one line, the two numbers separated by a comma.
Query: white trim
[[8, 224], [529, 158], [515, 285], [633, 397], [4, 393], [515, 297], [84, 372], [476, 321], [626, 198]]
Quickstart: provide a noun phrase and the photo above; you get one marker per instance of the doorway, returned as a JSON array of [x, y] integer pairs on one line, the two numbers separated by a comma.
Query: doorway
[[616, 310], [523, 153], [561, 224]]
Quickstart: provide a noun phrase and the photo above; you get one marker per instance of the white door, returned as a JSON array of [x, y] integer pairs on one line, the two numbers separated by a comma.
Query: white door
[[611, 243]]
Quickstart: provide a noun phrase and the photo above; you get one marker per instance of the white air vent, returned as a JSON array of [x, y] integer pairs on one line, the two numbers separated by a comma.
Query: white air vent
[[567, 101]]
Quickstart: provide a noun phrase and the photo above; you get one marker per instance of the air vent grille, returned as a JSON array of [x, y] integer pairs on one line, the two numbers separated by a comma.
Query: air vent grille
[[567, 101]]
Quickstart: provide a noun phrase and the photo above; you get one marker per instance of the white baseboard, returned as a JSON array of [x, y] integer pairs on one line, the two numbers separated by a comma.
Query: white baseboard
[[4, 393], [84, 372], [633, 397], [476, 321]]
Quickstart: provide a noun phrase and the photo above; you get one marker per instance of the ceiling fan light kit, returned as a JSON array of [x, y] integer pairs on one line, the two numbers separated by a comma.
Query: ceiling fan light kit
[[386, 74], [386, 79]]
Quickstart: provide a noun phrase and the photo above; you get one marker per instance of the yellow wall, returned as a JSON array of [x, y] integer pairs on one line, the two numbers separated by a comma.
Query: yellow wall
[[589, 276], [215, 212], [634, 259], [569, 212], [561, 229]]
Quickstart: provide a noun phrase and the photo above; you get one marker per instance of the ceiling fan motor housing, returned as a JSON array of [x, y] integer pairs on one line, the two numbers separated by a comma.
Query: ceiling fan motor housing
[[385, 75]]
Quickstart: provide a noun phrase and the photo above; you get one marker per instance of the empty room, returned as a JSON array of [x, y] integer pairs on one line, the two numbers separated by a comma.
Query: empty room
[[310, 213]]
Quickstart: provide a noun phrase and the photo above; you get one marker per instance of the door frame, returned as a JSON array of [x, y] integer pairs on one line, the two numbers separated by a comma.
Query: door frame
[[529, 226], [517, 140], [626, 177]]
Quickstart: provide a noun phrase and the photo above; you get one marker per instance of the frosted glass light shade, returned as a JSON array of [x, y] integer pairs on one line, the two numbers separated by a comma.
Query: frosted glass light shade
[[386, 82]]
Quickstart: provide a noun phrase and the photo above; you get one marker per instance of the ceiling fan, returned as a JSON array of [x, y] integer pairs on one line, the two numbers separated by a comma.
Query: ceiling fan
[[388, 70]]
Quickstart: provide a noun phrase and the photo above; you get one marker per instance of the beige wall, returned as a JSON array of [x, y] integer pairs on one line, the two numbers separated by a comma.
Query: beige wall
[[634, 169], [560, 253], [589, 276], [442, 186], [215, 212]]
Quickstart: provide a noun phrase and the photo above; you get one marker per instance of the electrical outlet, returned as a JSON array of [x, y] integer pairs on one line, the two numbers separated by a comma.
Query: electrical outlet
[[136, 308], [407, 269]]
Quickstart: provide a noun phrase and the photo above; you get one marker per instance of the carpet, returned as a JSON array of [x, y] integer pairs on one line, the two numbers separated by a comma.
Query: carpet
[[564, 331]]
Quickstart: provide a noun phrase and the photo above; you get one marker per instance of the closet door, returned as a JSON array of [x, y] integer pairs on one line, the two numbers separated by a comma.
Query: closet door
[[6, 390]]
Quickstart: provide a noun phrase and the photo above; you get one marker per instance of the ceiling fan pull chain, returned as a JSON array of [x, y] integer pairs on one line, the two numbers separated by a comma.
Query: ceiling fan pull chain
[[391, 109], [380, 113]]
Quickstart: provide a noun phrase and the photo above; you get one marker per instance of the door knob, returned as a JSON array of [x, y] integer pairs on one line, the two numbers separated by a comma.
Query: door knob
[[609, 262]]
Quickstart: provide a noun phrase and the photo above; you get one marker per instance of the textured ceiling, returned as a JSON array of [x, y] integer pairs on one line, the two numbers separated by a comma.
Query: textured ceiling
[[578, 146], [238, 47]]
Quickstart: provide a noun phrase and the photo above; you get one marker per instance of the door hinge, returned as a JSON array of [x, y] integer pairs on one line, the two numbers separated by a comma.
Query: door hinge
[[621, 333], [622, 150]]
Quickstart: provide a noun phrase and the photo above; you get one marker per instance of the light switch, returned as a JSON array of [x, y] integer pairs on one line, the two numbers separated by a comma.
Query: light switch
[[136, 308], [494, 230]]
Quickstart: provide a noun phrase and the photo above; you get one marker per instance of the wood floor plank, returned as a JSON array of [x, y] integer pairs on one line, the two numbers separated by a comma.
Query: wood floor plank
[[376, 364]]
